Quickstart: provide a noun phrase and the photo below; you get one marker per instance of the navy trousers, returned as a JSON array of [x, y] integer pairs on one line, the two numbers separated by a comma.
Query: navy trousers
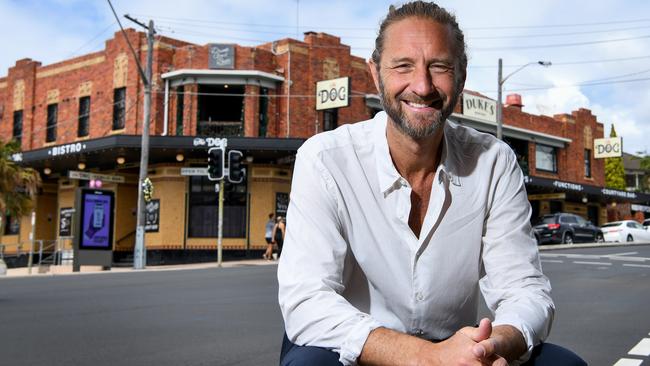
[[545, 354]]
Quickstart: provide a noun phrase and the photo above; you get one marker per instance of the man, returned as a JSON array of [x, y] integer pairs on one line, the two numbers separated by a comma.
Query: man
[[394, 224]]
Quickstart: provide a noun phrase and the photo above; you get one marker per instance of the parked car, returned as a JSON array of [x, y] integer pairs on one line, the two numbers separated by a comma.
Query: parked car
[[646, 224], [626, 230], [566, 228]]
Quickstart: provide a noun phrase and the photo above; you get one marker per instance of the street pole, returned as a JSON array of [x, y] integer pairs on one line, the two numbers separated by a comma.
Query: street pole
[[139, 252], [500, 104], [220, 228], [502, 80]]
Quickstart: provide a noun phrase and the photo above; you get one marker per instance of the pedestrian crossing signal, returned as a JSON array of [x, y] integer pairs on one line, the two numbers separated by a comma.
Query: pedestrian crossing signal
[[215, 163], [235, 166]]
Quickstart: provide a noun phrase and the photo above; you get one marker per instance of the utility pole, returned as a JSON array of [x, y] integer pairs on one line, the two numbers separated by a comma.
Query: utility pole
[[220, 229], [139, 252], [501, 81]]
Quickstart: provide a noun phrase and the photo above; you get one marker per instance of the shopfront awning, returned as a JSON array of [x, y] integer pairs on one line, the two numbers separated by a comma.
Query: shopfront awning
[[602, 193]]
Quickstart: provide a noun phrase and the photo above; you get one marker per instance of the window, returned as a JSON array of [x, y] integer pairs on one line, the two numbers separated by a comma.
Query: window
[[568, 219], [546, 158], [119, 108], [52, 111], [264, 117], [12, 225], [587, 163], [221, 110], [203, 214], [330, 119], [18, 125], [84, 116], [180, 105]]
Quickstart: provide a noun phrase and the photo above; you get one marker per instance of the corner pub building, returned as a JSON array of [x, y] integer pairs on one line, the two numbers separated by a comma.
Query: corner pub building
[[80, 119]]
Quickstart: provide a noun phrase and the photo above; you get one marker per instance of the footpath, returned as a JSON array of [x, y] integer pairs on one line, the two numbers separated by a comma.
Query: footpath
[[66, 270]]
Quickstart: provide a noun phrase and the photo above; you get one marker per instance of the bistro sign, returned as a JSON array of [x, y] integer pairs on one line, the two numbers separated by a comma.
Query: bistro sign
[[479, 107], [67, 149]]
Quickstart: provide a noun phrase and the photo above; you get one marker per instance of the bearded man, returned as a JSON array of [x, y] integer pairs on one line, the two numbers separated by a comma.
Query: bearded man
[[395, 224]]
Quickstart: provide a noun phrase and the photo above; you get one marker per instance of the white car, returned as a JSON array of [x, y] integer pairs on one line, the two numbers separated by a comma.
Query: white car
[[646, 224], [626, 230]]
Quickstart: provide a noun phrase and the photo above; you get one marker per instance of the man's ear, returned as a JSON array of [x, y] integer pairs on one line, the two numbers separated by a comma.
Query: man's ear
[[374, 72]]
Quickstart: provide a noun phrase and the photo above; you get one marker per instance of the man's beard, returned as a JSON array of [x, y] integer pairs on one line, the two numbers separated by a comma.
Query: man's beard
[[395, 112]]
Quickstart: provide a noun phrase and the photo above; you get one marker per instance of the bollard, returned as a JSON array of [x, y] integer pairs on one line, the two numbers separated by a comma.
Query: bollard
[[3, 267]]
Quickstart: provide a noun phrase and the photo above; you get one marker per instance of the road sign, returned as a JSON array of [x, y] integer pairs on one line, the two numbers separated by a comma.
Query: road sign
[[75, 174], [194, 171]]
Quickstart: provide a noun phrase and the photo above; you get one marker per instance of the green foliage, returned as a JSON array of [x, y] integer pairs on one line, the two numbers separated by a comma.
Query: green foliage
[[18, 185], [614, 170]]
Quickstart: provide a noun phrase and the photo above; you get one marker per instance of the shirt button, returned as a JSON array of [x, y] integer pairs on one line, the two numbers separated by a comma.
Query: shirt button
[[419, 296], [418, 332]]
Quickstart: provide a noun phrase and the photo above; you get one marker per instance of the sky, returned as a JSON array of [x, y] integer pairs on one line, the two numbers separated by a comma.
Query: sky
[[599, 50]]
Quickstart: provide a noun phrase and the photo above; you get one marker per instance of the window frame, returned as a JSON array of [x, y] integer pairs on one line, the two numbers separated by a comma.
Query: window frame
[[52, 121], [119, 109], [553, 149], [83, 120]]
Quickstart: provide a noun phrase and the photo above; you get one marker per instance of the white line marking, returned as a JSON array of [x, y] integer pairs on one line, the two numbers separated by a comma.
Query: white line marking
[[629, 259], [637, 265], [628, 362], [641, 349], [619, 254], [594, 263], [552, 261]]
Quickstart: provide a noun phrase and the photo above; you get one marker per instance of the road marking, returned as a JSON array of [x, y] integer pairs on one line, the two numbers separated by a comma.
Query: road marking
[[637, 265], [628, 362], [594, 263], [552, 261], [629, 259], [641, 349], [620, 254]]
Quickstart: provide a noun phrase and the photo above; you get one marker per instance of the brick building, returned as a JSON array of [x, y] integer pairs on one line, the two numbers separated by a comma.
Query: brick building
[[80, 119]]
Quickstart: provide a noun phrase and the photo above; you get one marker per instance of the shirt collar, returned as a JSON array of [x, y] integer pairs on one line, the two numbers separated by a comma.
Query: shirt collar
[[388, 176]]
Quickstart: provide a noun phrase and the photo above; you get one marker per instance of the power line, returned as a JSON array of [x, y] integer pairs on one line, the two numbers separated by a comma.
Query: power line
[[558, 45], [567, 62], [572, 85]]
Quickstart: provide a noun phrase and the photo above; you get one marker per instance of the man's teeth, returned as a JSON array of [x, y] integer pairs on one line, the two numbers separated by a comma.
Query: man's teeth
[[417, 105]]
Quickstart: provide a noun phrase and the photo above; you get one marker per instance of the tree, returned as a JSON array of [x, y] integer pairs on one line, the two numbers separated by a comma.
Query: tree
[[614, 170], [18, 185], [644, 164]]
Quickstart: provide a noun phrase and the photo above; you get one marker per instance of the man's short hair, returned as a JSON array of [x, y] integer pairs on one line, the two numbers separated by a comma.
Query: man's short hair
[[425, 10]]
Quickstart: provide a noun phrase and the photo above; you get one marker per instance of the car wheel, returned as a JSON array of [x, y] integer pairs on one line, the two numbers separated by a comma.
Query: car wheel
[[568, 238], [599, 238], [630, 237]]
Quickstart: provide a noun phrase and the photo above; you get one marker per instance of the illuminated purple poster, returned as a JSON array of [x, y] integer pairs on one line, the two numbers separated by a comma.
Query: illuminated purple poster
[[95, 230]]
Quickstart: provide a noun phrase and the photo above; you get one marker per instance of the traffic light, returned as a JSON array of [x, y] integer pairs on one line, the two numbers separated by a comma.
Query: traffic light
[[215, 163], [235, 166]]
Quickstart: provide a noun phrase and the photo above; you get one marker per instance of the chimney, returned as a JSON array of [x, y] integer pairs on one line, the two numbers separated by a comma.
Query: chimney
[[514, 100]]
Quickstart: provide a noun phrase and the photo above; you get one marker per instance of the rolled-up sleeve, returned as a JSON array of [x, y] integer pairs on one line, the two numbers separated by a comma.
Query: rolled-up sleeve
[[311, 269], [514, 287]]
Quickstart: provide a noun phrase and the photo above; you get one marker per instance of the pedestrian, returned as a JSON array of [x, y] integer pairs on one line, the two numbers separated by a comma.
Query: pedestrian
[[397, 223], [268, 236], [278, 234]]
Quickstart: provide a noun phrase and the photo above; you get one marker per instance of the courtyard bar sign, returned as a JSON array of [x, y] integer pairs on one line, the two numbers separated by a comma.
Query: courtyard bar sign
[[479, 107], [333, 93]]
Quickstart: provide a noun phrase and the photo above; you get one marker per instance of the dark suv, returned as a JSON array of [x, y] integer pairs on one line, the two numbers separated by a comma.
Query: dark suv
[[566, 228]]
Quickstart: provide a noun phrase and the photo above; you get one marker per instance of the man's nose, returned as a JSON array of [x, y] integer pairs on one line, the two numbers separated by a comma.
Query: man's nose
[[422, 82]]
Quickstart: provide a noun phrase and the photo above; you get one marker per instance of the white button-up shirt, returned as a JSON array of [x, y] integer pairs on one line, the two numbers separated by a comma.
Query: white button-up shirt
[[351, 263]]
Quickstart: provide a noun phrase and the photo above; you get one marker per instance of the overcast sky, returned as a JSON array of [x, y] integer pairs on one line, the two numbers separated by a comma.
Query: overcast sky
[[600, 50]]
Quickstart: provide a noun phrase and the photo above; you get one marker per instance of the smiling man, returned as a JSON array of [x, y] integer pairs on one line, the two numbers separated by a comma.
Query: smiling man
[[396, 223]]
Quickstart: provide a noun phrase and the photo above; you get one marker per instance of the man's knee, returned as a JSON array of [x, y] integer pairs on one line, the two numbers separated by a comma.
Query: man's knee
[[548, 354], [293, 355]]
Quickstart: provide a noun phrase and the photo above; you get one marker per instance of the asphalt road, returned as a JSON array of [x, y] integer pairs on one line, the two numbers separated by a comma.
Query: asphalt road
[[229, 316]]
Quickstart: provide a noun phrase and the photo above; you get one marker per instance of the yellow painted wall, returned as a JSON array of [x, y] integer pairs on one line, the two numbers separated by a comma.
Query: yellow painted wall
[[126, 204], [66, 200], [264, 183], [170, 187]]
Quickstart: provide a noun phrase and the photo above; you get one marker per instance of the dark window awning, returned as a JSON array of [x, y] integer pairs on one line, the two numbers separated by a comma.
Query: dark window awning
[[606, 194]]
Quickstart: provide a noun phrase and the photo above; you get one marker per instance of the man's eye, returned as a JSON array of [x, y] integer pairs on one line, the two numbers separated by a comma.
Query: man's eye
[[440, 68], [402, 67]]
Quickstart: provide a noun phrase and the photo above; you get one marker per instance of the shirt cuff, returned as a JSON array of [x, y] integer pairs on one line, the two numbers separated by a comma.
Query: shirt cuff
[[354, 342], [529, 338]]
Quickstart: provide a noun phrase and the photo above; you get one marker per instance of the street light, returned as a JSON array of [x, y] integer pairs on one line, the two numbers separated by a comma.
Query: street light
[[503, 80]]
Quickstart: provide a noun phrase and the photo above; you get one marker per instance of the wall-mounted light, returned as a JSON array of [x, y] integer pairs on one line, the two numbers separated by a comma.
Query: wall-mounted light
[[81, 165], [249, 159], [180, 157], [584, 199], [225, 86], [47, 171], [120, 160]]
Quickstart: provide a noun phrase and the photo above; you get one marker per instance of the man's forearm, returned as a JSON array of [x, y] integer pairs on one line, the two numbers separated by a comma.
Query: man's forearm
[[511, 344], [388, 347]]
